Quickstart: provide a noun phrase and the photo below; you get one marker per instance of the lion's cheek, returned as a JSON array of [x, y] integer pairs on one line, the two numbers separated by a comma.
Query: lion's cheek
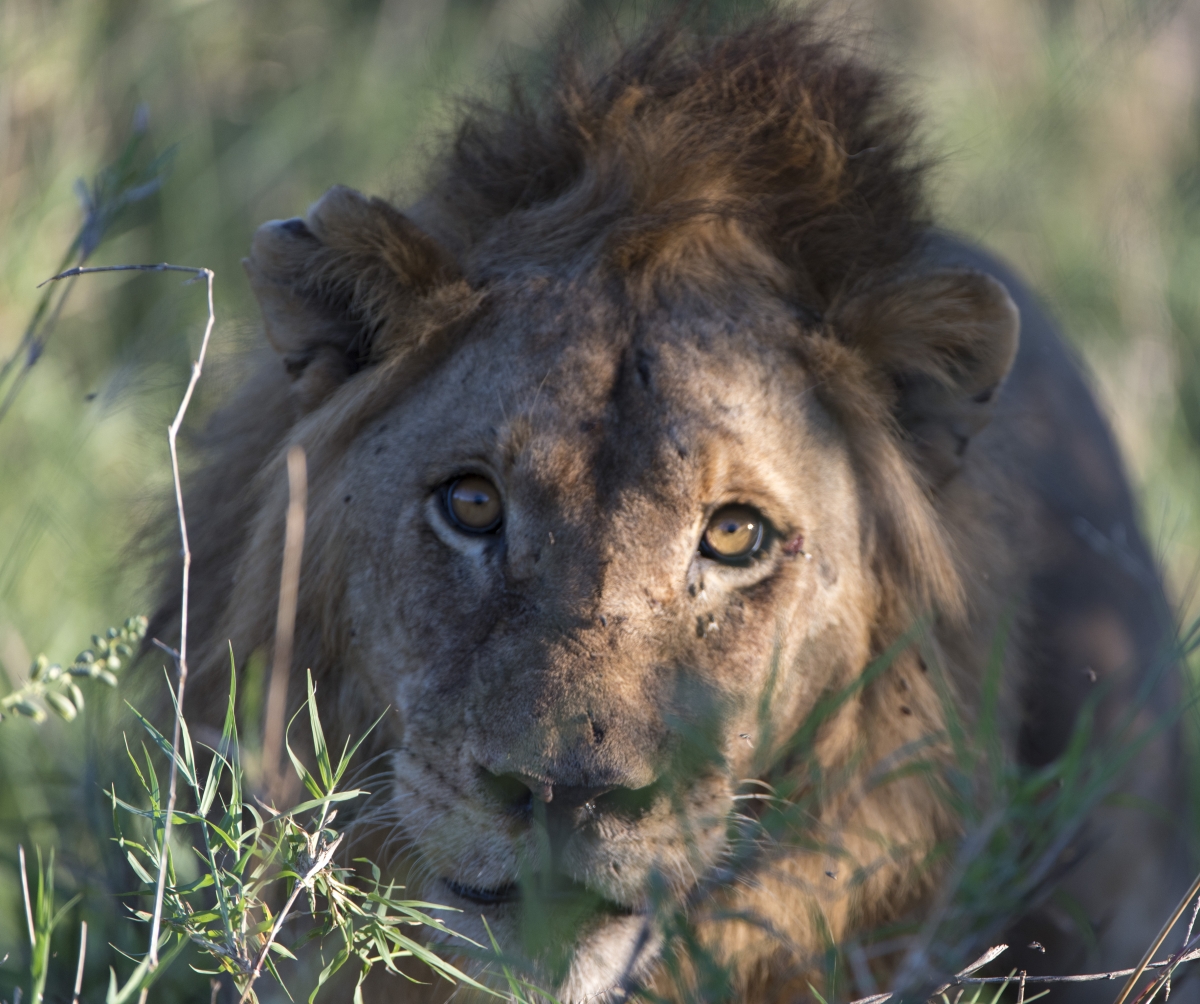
[[452, 833], [770, 652]]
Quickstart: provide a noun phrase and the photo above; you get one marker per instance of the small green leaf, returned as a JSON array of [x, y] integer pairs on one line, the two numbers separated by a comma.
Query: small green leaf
[[316, 803], [349, 751], [318, 734], [161, 742], [310, 782], [138, 870]]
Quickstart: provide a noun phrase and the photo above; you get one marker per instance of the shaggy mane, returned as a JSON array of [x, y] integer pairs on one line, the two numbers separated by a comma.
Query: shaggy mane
[[769, 155], [773, 138]]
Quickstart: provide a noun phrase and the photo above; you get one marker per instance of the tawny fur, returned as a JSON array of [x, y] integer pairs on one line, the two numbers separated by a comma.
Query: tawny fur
[[698, 274]]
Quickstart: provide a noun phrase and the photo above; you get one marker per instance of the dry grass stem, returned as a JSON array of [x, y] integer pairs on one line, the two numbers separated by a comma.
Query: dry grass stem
[[1189, 956], [82, 958], [277, 778], [25, 896], [1157, 943]]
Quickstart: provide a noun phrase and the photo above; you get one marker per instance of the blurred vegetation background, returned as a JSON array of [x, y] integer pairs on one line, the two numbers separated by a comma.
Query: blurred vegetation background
[[1069, 136]]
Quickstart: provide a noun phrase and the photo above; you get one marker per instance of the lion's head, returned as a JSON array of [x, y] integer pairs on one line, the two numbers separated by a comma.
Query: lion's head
[[628, 443]]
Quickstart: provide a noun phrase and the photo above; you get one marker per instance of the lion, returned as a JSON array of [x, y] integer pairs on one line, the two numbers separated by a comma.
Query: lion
[[662, 421]]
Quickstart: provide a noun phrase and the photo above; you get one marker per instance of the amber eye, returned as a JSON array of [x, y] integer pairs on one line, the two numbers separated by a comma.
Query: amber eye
[[473, 504], [735, 532]]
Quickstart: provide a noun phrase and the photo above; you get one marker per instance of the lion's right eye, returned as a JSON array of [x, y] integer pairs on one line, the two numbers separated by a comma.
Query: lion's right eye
[[473, 504], [734, 534]]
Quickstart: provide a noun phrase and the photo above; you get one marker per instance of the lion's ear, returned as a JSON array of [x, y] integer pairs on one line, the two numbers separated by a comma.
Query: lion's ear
[[330, 284], [945, 340]]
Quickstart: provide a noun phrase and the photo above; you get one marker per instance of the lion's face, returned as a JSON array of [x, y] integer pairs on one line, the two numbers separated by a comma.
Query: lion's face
[[598, 551], [578, 690]]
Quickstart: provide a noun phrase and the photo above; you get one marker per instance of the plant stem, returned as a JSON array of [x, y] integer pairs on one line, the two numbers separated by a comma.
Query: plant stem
[[181, 662]]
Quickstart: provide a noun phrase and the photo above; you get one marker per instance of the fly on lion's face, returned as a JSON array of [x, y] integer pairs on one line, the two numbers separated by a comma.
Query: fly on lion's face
[[667, 471]]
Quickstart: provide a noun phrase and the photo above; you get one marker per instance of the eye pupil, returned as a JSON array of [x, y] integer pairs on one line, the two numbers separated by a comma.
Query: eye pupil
[[473, 504], [735, 532]]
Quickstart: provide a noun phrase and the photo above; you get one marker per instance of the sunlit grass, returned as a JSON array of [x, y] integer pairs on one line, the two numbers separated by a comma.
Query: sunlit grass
[[1071, 143]]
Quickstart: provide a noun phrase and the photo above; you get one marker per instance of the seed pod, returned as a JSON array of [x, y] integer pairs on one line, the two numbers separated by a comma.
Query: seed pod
[[106, 676], [29, 710], [87, 656], [114, 661], [113, 632], [124, 651], [62, 705], [54, 671], [38, 667], [76, 694]]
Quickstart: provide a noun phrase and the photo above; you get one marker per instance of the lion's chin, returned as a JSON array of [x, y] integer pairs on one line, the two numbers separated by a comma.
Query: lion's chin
[[610, 957], [611, 950]]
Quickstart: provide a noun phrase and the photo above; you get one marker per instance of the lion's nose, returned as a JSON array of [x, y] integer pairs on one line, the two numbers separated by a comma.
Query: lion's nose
[[568, 797], [517, 790]]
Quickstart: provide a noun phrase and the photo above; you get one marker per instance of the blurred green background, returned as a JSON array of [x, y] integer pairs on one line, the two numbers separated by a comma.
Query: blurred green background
[[1069, 137]]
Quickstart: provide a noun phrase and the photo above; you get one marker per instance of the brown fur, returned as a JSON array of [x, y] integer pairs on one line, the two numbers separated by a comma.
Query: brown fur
[[698, 276]]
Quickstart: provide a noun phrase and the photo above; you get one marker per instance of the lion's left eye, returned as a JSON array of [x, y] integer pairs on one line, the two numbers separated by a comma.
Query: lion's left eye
[[473, 504], [734, 533]]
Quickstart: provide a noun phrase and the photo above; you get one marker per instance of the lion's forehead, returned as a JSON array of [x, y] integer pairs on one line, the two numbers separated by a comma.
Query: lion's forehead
[[604, 409], [613, 437]]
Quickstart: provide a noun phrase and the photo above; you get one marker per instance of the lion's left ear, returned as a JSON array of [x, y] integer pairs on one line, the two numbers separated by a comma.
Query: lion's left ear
[[333, 286], [945, 340]]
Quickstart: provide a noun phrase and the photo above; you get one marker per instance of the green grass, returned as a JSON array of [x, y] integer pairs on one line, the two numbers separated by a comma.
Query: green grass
[[1071, 141]]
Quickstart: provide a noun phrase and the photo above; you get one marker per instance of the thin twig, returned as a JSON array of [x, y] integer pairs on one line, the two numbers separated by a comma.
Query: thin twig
[[181, 662], [172, 434], [82, 956], [1187, 936], [285, 624], [1187, 943], [160, 267], [1083, 978], [1162, 936], [164, 647], [25, 894], [1151, 989]]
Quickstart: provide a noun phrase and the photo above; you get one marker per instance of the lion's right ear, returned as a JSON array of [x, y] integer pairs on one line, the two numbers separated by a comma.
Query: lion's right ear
[[945, 341], [331, 284]]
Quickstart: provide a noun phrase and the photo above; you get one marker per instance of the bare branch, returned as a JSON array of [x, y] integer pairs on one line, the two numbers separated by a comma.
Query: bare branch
[[181, 660], [172, 434]]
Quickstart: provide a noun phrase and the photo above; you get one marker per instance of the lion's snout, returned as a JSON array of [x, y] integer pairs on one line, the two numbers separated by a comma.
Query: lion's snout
[[559, 765]]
